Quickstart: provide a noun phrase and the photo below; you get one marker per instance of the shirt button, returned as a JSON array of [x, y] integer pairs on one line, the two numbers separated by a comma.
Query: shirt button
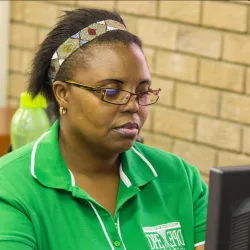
[[117, 243]]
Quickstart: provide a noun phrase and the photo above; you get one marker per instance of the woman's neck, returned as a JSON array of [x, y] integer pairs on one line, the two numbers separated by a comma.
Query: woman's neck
[[86, 159]]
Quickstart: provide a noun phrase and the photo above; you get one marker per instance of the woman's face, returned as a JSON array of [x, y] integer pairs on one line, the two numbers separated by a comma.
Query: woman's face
[[102, 125]]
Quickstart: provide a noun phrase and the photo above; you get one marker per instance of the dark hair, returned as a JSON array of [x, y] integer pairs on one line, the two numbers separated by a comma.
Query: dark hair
[[70, 23]]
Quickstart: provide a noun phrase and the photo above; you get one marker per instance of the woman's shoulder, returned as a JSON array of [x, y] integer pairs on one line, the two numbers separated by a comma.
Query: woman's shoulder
[[16, 164], [158, 156], [168, 164], [17, 185]]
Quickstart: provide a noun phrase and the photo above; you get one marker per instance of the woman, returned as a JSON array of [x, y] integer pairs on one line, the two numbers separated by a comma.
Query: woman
[[86, 183]]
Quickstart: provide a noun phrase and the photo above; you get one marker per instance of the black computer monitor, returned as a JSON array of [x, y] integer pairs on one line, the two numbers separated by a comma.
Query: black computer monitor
[[228, 217]]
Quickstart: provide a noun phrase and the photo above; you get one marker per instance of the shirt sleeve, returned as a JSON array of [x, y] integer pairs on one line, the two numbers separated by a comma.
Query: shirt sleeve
[[16, 230], [200, 201]]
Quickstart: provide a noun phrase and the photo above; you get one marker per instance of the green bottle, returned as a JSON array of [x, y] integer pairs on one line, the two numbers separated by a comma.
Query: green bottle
[[30, 121]]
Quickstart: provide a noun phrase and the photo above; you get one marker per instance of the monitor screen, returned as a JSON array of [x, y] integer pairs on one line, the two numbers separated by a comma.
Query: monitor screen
[[228, 217]]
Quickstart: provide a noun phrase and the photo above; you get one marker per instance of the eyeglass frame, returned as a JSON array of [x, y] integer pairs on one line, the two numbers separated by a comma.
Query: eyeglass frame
[[101, 90]]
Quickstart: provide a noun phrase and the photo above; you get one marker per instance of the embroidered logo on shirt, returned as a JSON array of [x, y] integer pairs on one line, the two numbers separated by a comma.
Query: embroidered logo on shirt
[[166, 236]]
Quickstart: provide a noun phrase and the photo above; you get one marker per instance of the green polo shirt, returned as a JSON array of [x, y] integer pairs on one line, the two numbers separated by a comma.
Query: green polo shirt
[[161, 202]]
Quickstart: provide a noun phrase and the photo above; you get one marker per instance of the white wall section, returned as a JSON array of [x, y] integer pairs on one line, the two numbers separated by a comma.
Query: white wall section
[[4, 51]]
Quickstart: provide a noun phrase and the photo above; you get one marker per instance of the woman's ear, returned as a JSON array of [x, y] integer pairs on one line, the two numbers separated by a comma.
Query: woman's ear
[[61, 92]]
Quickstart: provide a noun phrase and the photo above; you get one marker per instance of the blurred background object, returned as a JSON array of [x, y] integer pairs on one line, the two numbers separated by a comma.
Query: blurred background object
[[6, 115], [30, 121], [198, 54]]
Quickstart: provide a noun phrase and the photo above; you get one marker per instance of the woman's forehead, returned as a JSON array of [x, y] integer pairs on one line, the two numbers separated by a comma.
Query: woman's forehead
[[116, 61], [109, 54]]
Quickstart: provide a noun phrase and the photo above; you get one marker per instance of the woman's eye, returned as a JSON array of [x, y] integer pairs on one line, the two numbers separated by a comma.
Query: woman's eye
[[112, 92], [142, 90]]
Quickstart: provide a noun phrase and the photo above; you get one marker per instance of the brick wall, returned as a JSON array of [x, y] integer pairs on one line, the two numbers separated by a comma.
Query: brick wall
[[198, 53]]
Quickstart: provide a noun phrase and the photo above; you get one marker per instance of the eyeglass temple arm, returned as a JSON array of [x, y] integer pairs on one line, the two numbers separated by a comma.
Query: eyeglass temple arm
[[82, 86]]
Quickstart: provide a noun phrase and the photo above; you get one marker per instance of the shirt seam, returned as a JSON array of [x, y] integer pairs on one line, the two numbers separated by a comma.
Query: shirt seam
[[18, 239], [201, 228], [14, 159]]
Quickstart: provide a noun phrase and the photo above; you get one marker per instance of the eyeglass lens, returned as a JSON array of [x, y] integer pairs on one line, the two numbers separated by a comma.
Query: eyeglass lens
[[121, 97]]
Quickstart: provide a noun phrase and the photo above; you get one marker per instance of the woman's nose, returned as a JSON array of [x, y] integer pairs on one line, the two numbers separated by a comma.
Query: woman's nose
[[132, 104]]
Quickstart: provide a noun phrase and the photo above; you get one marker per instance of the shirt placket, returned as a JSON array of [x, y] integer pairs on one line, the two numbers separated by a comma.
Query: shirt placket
[[107, 223]]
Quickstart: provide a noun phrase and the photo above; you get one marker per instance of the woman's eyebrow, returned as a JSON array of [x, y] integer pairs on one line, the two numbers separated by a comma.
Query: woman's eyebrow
[[117, 81], [108, 81]]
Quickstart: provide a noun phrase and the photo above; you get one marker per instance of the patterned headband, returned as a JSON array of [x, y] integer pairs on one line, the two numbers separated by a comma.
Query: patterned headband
[[79, 39]]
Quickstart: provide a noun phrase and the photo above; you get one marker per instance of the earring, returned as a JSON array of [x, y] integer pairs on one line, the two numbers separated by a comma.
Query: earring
[[63, 111]]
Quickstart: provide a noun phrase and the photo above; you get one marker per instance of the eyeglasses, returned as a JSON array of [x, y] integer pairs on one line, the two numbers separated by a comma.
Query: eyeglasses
[[121, 97]]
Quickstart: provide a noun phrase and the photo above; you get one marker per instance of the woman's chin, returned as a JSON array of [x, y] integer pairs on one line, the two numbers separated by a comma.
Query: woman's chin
[[122, 145]]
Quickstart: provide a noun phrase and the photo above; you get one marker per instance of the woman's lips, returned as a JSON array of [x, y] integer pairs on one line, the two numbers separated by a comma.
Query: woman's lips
[[129, 129]]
